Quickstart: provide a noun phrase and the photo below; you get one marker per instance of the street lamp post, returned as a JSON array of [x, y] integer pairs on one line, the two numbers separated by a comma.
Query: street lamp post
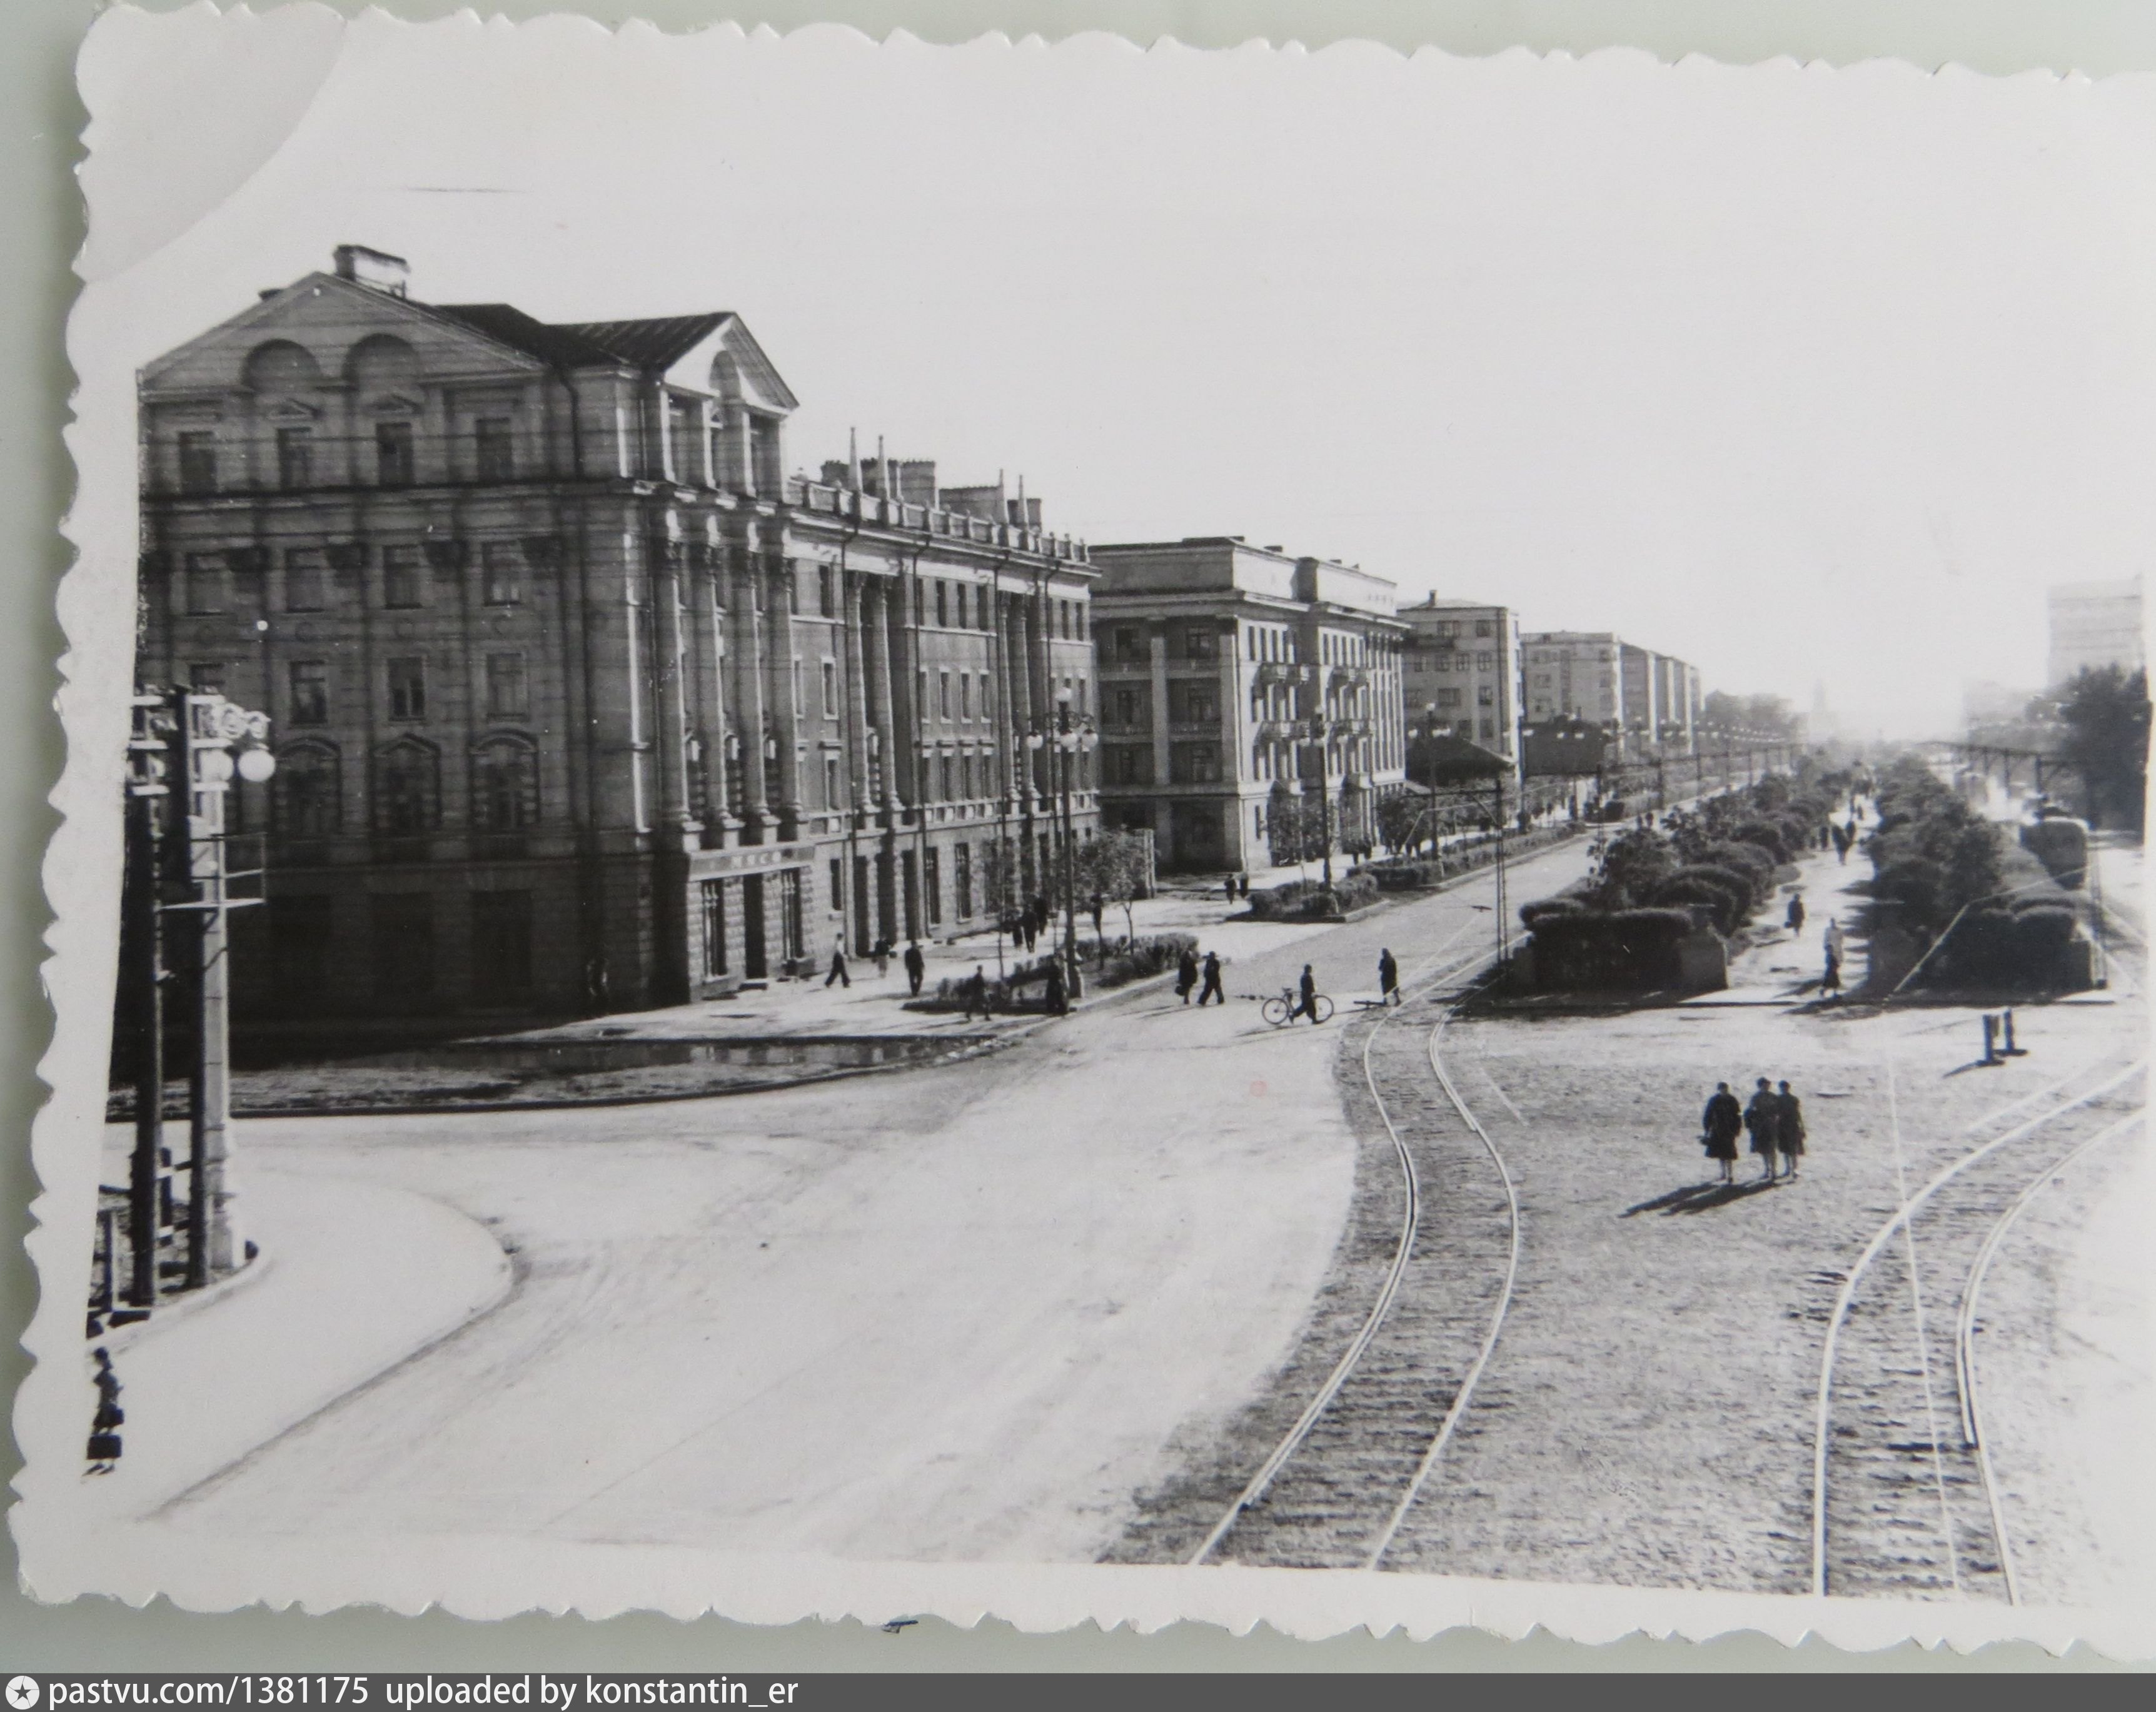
[[182, 753], [1070, 742]]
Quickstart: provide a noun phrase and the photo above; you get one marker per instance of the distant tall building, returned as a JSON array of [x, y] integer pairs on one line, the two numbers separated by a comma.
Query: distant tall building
[[1229, 673], [2095, 625], [1463, 672]]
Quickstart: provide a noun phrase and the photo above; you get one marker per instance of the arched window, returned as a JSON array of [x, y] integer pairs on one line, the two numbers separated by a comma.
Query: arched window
[[407, 786], [504, 784], [309, 793]]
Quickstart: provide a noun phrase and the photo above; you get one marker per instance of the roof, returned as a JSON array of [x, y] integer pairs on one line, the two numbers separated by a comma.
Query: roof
[[510, 325], [1439, 758], [653, 343]]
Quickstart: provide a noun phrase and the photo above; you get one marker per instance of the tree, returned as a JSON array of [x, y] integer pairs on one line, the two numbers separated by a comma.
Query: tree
[[1402, 821], [1284, 828], [1119, 867], [2106, 714]]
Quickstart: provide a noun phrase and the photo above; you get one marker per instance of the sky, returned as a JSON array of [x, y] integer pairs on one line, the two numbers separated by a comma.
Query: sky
[[1814, 378]]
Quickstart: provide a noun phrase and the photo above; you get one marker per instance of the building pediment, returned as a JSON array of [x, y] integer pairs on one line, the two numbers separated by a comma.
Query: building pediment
[[328, 319]]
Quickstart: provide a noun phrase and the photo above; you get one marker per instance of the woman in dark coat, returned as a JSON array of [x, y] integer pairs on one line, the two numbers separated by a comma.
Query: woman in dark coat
[[1789, 1132], [1186, 974], [1720, 1125], [1762, 1117]]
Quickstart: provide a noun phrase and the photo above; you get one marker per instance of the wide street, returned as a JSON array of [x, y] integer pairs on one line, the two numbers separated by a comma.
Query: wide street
[[1056, 1303], [958, 1312]]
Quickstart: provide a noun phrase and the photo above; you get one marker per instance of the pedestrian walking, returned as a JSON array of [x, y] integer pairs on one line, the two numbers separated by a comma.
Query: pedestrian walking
[[1796, 915], [1058, 996], [1099, 903], [1837, 941], [976, 993], [1830, 977], [1389, 978], [1029, 927], [104, 1448], [916, 966], [1842, 846], [1789, 1131], [1186, 974], [1246, 885], [882, 955], [1212, 987], [838, 961], [1763, 1118], [1720, 1125], [1306, 1006]]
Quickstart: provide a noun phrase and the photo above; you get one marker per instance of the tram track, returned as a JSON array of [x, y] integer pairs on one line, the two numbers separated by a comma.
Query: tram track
[[1904, 1500], [1336, 1485]]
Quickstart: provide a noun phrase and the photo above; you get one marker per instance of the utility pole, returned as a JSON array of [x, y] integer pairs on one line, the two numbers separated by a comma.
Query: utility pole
[[149, 1180]]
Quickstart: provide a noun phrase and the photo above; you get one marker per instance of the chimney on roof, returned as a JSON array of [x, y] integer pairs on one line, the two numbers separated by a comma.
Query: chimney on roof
[[376, 269]]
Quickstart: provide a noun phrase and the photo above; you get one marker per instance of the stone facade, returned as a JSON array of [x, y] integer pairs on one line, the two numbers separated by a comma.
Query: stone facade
[[1230, 674], [580, 702]]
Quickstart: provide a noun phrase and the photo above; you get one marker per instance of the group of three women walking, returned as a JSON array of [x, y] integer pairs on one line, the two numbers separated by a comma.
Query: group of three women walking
[[1775, 1120]]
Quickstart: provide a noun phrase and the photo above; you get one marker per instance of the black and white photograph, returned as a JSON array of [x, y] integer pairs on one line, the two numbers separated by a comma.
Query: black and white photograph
[[1074, 832]]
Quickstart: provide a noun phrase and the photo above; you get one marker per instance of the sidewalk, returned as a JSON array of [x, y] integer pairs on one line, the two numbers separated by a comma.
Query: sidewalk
[[873, 1004], [353, 1278], [1783, 968]]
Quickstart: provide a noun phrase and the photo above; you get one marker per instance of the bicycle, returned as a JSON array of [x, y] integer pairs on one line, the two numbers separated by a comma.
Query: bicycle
[[1282, 1010]]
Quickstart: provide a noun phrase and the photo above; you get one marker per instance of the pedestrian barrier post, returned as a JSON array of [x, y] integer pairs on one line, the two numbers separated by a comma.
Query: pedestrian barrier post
[[2010, 1050], [1991, 1058]]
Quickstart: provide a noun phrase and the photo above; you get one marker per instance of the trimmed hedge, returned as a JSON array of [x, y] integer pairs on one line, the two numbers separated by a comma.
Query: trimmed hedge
[[1728, 895], [1309, 901], [1575, 950], [1024, 987], [2025, 947]]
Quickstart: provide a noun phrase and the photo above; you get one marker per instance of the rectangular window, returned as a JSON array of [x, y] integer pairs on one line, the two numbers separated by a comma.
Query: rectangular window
[[197, 455], [1200, 645], [1487, 695], [502, 946], [1194, 764], [309, 681], [944, 771], [963, 875], [400, 576], [1129, 645], [1448, 696], [831, 798], [965, 695], [966, 776], [295, 457], [826, 601], [1489, 729], [304, 590], [408, 688], [1193, 704], [713, 900], [393, 454], [943, 617], [205, 585], [837, 899], [505, 687], [680, 443], [403, 940], [943, 692], [494, 453], [830, 689], [932, 883], [207, 677], [501, 573]]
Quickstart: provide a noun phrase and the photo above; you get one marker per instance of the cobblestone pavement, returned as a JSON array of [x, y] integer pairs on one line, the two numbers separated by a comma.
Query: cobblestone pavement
[[1648, 1415]]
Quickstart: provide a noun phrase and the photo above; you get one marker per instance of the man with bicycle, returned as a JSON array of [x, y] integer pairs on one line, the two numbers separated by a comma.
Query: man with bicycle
[[1306, 1006]]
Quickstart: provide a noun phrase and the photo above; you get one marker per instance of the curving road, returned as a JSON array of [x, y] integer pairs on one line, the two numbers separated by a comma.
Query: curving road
[[956, 1313]]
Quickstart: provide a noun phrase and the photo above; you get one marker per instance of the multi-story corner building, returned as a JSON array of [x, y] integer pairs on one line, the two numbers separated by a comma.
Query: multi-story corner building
[[579, 701], [2093, 625], [1574, 675], [1230, 672], [1463, 672]]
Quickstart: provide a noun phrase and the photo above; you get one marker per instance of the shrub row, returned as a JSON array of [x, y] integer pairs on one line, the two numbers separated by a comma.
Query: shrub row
[[1576, 948], [1310, 901], [1022, 987]]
